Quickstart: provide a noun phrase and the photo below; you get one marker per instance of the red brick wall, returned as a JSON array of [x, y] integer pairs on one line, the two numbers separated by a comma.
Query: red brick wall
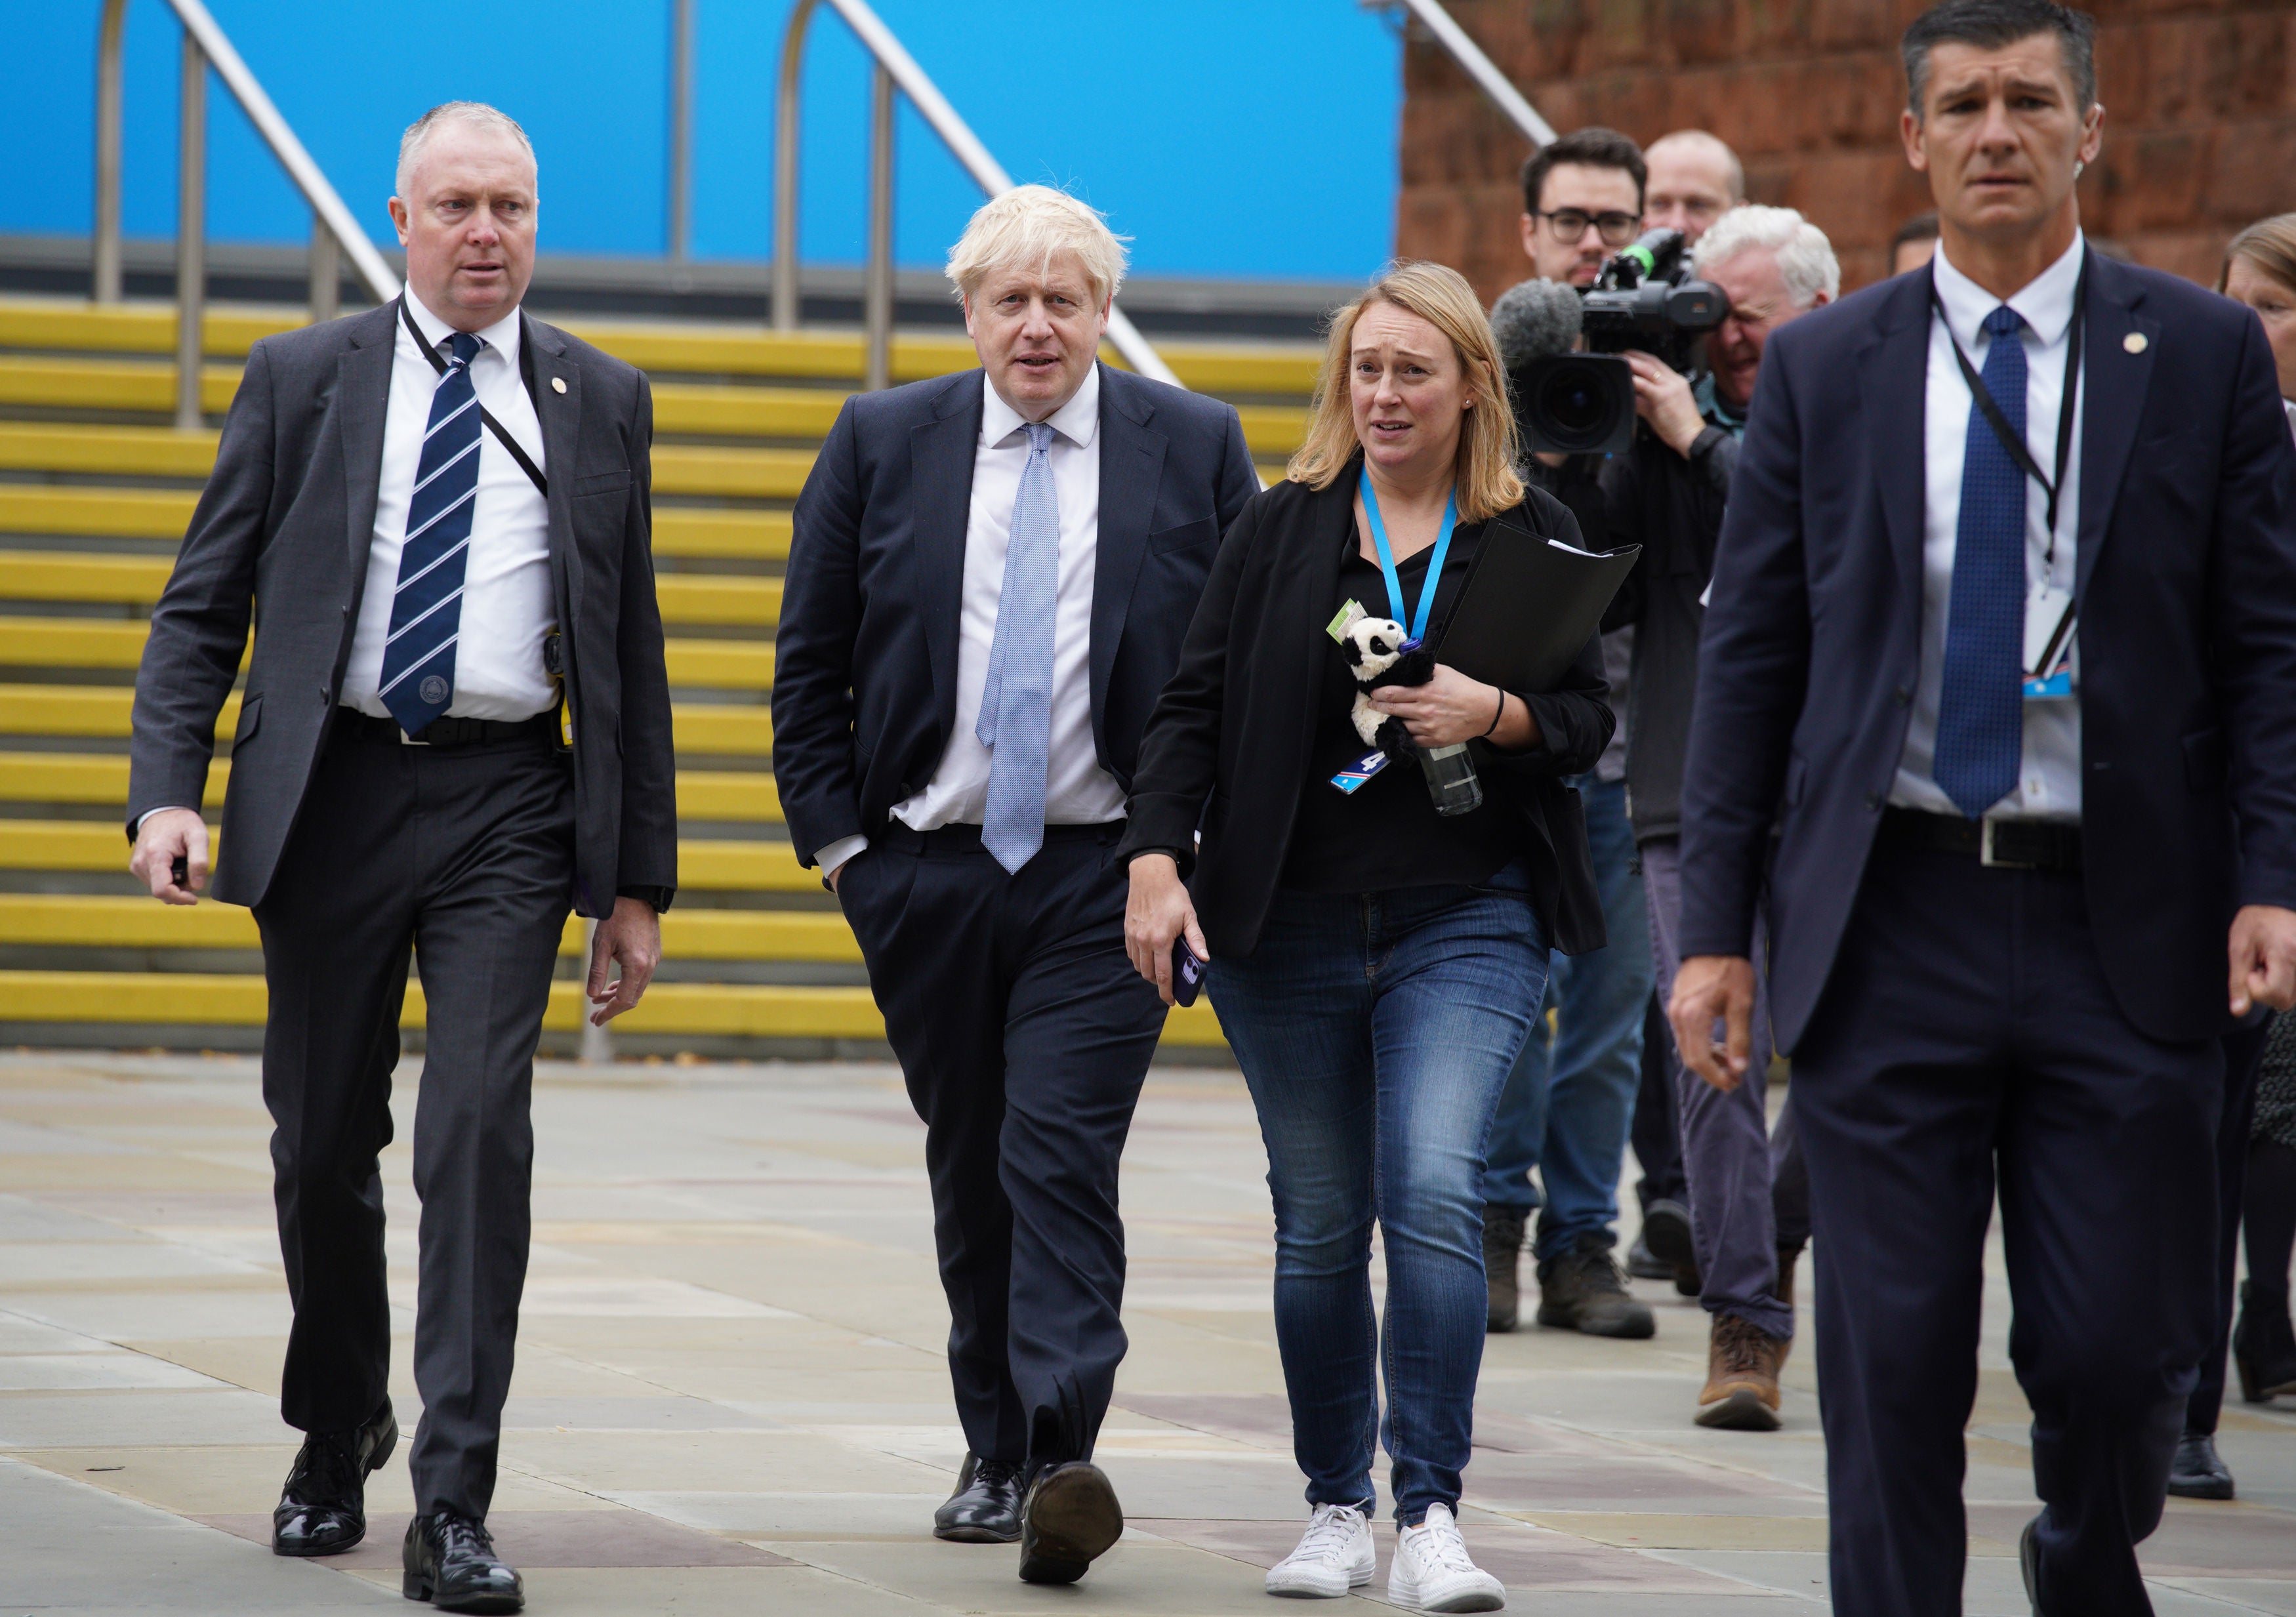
[[2200, 100]]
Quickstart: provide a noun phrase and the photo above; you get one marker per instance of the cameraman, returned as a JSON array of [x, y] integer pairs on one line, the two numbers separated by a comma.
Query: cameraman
[[1666, 494], [1567, 1105]]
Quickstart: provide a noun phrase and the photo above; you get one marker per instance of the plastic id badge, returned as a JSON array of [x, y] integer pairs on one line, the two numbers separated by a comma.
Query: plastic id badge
[[1361, 771], [2049, 645]]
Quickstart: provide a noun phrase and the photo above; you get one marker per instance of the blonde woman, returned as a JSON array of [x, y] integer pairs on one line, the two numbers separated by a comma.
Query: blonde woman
[[1374, 964]]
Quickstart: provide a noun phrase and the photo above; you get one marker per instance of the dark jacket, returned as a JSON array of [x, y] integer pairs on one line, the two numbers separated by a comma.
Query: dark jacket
[[865, 670], [1229, 745], [1672, 507], [283, 530], [2187, 588]]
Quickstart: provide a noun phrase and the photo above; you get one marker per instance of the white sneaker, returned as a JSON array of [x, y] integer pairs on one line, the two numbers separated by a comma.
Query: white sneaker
[[1432, 1571], [1335, 1554]]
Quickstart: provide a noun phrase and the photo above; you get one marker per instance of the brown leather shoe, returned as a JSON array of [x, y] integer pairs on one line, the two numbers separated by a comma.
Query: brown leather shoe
[[1742, 1377]]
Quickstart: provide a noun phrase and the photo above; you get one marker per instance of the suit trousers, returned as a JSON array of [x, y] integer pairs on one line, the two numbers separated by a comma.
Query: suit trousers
[[1728, 1157], [1023, 1034], [2243, 1050], [465, 856], [1968, 1044]]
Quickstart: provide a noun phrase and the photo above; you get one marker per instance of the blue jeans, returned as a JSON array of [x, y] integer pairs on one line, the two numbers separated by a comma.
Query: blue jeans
[[1572, 1126], [1375, 1030]]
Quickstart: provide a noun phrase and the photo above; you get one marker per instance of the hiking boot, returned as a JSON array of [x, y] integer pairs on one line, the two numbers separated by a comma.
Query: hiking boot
[[1742, 1377], [1582, 1290], [1502, 1257]]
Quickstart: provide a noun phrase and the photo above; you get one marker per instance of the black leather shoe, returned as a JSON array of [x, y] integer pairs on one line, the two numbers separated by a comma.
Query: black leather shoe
[[323, 1508], [1068, 1521], [2198, 1472], [2264, 1345], [1666, 1235], [985, 1508], [450, 1561], [2028, 1561]]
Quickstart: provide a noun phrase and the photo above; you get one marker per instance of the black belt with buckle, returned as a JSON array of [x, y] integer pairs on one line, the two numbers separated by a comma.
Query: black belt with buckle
[[444, 732], [2000, 844]]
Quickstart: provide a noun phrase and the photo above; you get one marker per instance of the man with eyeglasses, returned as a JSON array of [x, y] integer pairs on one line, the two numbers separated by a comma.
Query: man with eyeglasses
[[1582, 200], [1567, 1105]]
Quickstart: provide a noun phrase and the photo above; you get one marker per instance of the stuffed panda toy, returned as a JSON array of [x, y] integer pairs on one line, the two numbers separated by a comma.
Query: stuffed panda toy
[[1375, 648]]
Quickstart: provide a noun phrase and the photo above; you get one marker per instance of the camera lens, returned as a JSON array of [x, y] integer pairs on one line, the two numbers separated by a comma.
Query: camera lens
[[1570, 400]]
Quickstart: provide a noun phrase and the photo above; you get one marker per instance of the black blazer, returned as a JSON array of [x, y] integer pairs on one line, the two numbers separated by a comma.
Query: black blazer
[[1230, 744], [864, 670], [2186, 586], [284, 530]]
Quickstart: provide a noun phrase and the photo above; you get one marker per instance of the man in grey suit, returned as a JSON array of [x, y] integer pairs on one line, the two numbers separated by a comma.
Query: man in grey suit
[[456, 722]]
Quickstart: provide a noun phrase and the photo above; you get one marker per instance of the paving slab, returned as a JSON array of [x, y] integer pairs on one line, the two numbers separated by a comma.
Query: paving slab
[[732, 1395]]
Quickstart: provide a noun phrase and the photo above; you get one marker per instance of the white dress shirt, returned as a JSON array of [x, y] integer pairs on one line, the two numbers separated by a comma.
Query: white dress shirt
[[2048, 785], [506, 597], [1078, 791]]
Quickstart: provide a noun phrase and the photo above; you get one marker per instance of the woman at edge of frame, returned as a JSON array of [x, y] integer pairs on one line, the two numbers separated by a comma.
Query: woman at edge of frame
[[1376, 967]]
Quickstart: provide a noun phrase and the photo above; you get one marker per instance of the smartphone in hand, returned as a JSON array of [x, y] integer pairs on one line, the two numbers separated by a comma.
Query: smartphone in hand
[[1187, 973]]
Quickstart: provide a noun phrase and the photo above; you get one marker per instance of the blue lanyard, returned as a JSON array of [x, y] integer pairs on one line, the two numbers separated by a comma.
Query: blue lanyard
[[1416, 626]]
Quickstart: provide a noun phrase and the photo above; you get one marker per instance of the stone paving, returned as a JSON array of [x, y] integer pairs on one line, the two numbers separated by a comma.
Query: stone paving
[[731, 1394]]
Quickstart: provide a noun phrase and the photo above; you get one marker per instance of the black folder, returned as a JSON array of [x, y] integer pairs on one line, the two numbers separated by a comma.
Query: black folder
[[1529, 607]]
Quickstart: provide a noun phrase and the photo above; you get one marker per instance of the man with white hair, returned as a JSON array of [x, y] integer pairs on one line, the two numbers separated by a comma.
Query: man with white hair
[[490, 737], [989, 582], [1774, 265]]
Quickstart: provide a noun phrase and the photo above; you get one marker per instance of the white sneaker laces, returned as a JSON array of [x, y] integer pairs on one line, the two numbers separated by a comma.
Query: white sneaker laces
[[1437, 1544], [1330, 1531]]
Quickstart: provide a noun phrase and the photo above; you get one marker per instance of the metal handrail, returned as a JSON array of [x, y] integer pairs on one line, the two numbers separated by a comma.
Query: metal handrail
[[895, 68], [333, 224], [1480, 68]]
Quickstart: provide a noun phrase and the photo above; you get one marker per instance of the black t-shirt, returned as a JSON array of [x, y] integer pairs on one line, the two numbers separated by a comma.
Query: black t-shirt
[[1387, 833]]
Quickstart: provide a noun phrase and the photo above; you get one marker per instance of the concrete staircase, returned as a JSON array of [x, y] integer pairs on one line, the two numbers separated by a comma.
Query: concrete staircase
[[94, 494]]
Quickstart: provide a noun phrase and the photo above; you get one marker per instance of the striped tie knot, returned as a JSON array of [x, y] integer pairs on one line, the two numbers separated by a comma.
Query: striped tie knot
[[463, 347]]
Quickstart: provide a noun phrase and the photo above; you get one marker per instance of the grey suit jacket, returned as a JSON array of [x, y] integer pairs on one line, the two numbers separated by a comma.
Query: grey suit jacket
[[283, 532]]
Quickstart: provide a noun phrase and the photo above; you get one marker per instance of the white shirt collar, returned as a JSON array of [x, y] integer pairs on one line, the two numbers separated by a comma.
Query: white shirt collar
[[2045, 302], [1078, 421], [501, 336]]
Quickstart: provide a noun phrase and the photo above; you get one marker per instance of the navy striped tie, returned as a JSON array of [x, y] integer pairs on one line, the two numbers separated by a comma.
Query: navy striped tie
[[426, 611]]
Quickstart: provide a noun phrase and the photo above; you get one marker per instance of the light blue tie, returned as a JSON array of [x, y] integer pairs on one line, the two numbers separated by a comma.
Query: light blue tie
[[1981, 734], [1016, 704]]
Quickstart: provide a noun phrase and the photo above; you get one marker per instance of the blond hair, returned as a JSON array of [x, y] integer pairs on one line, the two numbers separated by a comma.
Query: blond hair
[[2269, 244], [1485, 476], [1027, 226]]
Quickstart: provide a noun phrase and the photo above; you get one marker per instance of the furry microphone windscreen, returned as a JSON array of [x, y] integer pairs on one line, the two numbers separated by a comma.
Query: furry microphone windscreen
[[1533, 319]]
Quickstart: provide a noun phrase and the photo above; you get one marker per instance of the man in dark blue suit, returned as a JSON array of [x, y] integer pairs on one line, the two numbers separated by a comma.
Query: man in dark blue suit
[[2001, 903], [988, 586]]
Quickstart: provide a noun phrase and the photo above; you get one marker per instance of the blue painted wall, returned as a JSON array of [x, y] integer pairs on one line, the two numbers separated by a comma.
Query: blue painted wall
[[1253, 140]]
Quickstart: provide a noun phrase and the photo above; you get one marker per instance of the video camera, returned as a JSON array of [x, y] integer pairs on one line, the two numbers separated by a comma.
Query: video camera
[[1573, 403]]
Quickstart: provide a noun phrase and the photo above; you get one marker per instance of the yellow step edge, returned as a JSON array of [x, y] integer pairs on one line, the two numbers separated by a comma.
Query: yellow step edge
[[90, 642], [164, 513], [727, 350], [206, 999], [69, 575], [78, 921], [102, 845], [734, 795], [106, 710]]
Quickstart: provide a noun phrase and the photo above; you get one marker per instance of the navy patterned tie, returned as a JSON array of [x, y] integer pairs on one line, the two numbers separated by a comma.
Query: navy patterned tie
[[1980, 732], [426, 611]]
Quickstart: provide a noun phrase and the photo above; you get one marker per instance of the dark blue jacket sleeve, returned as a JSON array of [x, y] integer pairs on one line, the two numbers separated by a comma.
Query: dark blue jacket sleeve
[[814, 764], [1754, 671], [2254, 608]]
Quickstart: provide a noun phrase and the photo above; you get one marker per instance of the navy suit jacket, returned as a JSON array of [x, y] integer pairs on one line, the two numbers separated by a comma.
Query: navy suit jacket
[[864, 672], [2186, 586]]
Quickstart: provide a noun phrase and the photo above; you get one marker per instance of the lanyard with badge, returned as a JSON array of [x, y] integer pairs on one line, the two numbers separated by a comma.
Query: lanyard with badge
[[1414, 622], [2050, 608], [553, 646]]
